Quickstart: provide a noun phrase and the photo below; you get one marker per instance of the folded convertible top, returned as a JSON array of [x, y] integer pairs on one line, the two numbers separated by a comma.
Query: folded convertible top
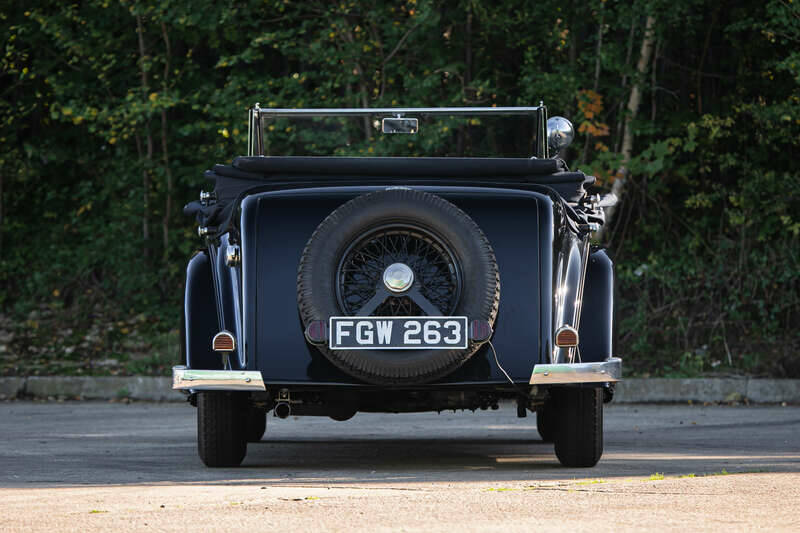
[[401, 166], [252, 174]]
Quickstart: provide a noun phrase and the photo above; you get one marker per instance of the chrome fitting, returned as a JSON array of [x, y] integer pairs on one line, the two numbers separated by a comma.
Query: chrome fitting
[[207, 197], [203, 231], [589, 228], [233, 255]]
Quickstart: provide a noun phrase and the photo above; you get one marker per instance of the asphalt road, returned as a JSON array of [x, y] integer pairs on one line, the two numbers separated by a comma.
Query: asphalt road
[[104, 466]]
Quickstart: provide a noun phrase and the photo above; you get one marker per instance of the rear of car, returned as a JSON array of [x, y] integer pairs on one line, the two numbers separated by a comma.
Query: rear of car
[[333, 285]]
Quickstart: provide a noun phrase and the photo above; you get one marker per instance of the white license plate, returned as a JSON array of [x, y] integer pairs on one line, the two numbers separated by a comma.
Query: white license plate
[[397, 333]]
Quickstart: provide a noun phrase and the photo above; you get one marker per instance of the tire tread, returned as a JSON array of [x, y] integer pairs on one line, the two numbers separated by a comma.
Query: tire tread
[[221, 424], [579, 436]]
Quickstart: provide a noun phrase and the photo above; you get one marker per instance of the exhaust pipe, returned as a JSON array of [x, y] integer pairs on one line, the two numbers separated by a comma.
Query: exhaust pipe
[[283, 410]]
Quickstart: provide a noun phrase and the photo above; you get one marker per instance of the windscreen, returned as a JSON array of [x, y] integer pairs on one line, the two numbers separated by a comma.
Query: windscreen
[[433, 136]]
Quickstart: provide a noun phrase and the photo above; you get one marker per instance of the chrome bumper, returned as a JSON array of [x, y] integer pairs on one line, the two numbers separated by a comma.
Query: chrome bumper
[[606, 371], [187, 379]]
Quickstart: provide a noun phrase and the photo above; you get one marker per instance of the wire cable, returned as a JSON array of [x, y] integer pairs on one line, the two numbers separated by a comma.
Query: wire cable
[[503, 370]]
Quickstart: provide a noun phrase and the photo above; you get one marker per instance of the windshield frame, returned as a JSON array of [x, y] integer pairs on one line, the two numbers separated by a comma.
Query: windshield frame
[[259, 116]]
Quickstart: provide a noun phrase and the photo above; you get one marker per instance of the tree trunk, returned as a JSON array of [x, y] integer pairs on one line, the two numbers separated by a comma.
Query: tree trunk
[[632, 109], [1, 213], [165, 151], [145, 198], [653, 82], [624, 82], [463, 127], [598, 51], [703, 55], [148, 156], [362, 91], [597, 67]]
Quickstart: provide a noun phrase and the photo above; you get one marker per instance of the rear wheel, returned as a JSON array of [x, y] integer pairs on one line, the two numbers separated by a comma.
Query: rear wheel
[[578, 436], [222, 427], [256, 424], [546, 421]]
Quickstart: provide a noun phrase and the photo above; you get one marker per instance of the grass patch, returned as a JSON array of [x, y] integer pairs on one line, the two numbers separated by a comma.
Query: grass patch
[[590, 481], [722, 472]]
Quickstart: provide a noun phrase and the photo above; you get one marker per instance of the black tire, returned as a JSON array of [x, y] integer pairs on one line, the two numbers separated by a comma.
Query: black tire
[[256, 424], [477, 295], [221, 427], [579, 435], [546, 421]]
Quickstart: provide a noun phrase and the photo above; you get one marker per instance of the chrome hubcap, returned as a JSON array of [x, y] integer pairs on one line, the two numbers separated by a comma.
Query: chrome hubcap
[[398, 277]]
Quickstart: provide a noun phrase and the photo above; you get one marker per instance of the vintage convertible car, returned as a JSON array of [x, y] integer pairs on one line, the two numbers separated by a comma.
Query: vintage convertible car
[[333, 285]]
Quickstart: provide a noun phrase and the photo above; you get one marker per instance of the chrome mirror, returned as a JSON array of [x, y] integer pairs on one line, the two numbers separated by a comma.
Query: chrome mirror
[[559, 134], [399, 125]]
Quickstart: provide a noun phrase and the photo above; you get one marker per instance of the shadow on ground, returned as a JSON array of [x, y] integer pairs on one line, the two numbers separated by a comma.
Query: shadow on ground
[[73, 444]]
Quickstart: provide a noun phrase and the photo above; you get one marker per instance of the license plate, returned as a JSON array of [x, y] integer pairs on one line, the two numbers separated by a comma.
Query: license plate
[[397, 333]]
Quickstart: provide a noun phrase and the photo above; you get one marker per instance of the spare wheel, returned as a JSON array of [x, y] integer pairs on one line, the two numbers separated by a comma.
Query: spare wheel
[[348, 259]]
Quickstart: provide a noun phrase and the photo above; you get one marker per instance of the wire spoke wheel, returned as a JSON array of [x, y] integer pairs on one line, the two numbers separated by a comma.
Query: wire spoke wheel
[[360, 273]]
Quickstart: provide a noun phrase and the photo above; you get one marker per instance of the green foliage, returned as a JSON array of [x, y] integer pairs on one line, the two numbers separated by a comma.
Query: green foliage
[[730, 297], [111, 109]]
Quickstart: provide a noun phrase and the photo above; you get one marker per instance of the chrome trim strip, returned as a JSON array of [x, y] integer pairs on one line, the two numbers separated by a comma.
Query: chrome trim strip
[[606, 371], [189, 379], [576, 320], [396, 111]]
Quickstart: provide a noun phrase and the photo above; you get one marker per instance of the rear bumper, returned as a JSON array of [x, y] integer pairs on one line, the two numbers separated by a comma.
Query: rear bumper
[[241, 380], [608, 371]]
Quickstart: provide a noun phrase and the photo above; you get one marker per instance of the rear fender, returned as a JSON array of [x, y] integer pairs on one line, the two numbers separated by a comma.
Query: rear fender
[[200, 314], [595, 330]]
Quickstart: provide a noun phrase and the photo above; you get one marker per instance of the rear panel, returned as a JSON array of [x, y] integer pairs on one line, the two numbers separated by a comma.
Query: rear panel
[[276, 226]]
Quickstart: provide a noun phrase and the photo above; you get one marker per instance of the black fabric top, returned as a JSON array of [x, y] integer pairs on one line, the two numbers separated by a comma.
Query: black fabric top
[[401, 166], [248, 175]]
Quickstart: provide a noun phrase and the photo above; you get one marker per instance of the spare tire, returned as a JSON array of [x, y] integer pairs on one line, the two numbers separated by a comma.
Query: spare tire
[[343, 264]]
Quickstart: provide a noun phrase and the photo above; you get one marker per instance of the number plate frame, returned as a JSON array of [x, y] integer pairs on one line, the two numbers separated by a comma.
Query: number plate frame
[[398, 334]]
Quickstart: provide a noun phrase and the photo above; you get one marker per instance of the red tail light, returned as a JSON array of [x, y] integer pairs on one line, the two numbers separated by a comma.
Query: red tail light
[[223, 342], [317, 332], [480, 331], [566, 337]]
